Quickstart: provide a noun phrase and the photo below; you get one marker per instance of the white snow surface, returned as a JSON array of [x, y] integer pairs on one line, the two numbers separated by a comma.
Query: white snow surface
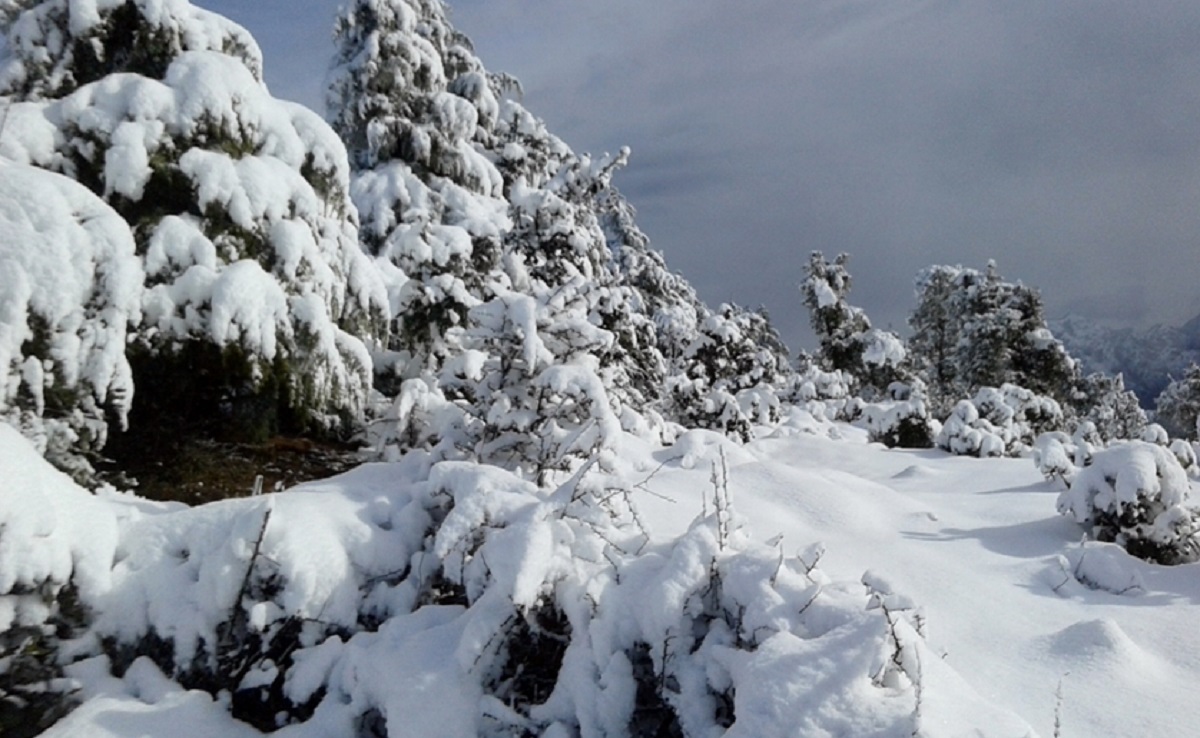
[[992, 602]]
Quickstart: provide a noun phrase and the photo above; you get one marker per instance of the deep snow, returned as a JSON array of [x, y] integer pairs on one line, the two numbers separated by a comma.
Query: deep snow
[[1011, 603]]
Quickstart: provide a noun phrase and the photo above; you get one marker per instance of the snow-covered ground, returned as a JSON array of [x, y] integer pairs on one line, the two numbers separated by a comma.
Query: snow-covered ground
[[1024, 626]]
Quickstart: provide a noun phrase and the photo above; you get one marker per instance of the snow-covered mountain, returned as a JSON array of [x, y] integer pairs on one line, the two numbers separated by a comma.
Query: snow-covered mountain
[[1148, 357]]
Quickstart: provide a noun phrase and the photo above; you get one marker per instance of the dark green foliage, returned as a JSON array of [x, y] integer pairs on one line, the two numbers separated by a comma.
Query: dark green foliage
[[911, 428], [837, 324], [972, 330], [530, 657], [652, 714], [33, 691]]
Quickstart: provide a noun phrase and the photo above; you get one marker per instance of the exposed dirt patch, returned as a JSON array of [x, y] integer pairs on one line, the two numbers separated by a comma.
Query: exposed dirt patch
[[199, 471]]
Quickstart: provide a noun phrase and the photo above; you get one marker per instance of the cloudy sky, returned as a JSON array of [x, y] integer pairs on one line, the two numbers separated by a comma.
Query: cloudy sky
[[1060, 138]]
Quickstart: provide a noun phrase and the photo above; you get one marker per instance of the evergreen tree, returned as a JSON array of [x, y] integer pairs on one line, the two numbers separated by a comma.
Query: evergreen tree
[[935, 327], [837, 324], [257, 300], [1178, 407], [412, 103], [541, 403], [666, 298], [973, 329], [876, 359], [731, 373], [1112, 409], [71, 284]]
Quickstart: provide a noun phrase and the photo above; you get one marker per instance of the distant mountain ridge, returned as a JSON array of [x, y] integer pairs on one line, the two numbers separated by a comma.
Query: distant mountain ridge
[[1148, 357]]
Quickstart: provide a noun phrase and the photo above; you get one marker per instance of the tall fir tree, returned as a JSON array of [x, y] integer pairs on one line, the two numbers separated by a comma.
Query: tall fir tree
[[413, 103]]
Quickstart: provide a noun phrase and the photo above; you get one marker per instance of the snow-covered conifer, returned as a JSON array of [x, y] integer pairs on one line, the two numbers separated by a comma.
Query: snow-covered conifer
[[54, 47], [465, 195], [257, 299], [836, 323], [973, 329], [935, 328], [736, 351], [413, 104], [1114, 410], [873, 357], [1178, 407]]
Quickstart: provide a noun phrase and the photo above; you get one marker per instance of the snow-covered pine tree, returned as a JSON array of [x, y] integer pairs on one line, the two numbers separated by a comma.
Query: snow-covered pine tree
[[1178, 407], [935, 328], [668, 299], [1113, 410], [538, 394], [257, 301], [875, 358], [57, 46], [464, 194], [415, 108], [736, 352], [973, 329], [438, 142], [987, 330], [836, 323], [1038, 360]]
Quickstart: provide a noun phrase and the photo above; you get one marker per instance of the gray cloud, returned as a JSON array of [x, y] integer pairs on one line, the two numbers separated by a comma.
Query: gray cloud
[[1059, 138]]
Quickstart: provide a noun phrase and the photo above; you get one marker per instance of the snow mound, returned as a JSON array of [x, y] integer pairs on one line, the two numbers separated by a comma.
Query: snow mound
[[1099, 639], [52, 533], [915, 471]]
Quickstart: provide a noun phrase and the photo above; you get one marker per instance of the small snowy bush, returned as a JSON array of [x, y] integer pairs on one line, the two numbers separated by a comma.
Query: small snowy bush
[[902, 424], [999, 421], [1134, 494], [965, 433], [1054, 454], [450, 598]]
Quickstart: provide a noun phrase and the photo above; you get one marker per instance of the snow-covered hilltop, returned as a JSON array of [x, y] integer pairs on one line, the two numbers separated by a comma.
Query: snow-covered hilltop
[[573, 464]]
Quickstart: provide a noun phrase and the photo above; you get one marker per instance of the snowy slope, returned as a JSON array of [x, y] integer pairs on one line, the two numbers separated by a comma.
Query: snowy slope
[[975, 544]]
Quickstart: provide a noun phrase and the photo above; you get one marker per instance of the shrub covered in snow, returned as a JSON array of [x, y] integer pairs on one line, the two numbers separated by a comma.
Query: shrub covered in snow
[[71, 285], [966, 433], [459, 599], [1134, 493], [900, 424], [1003, 421], [730, 375]]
